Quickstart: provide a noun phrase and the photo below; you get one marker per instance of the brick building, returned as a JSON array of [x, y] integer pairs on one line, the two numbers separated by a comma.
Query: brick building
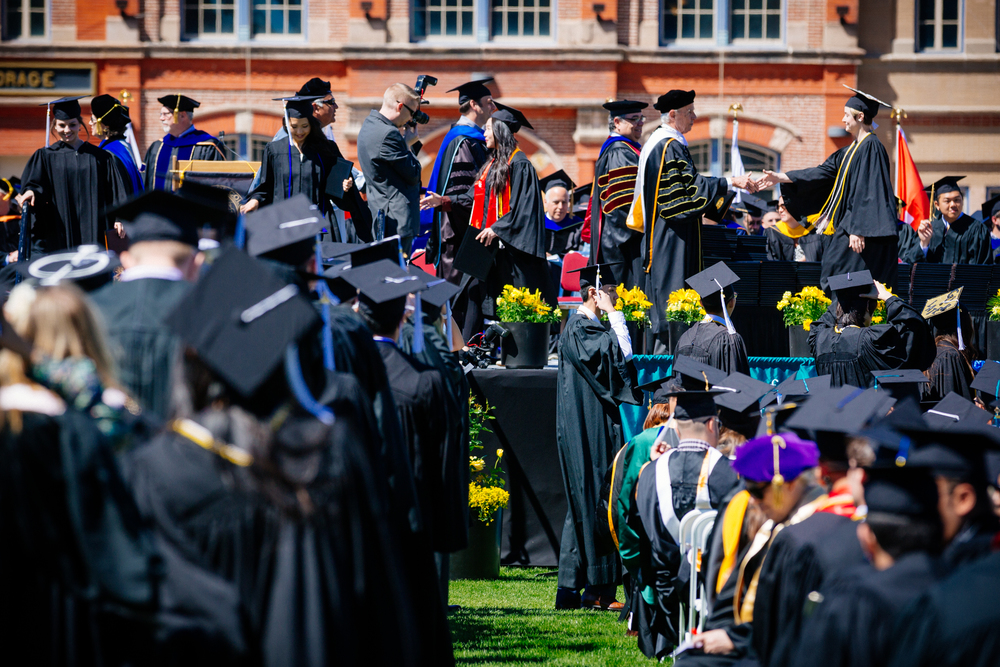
[[558, 60]]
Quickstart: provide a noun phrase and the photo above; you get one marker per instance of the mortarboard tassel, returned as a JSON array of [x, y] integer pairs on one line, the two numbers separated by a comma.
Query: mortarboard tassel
[[958, 315], [418, 325], [297, 383], [904, 451], [725, 311], [328, 300], [177, 109], [48, 123], [240, 235], [778, 481], [447, 321]]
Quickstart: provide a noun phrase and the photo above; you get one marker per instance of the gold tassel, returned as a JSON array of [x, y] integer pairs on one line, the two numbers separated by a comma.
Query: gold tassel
[[177, 109], [778, 481]]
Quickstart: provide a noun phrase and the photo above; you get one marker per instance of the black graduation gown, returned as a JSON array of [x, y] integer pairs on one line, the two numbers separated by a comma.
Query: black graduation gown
[[851, 624], [144, 348], [310, 580], [73, 188], [966, 241], [851, 354], [662, 568], [285, 172], [862, 204], [782, 248], [594, 379], [209, 148], [614, 186], [954, 624], [712, 344], [462, 161], [950, 372], [800, 559], [453, 517], [674, 205], [79, 567]]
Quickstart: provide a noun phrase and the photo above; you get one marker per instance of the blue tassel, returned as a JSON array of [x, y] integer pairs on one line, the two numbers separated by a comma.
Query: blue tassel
[[240, 236], [297, 383], [418, 325]]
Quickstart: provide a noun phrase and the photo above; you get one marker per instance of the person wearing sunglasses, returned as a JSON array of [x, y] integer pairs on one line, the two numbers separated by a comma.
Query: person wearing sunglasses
[[788, 240], [387, 156]]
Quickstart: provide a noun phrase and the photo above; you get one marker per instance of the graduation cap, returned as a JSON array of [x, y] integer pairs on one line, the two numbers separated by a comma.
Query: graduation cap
[[662, 389], [315, 87], [910, 491], [900, 383], [65, 108], [299, 106], [558, 179], [798, 389], [511, 117], [891, 446], [240, 317], [990, 209], [987, 380], [384, 280], [158, 215], [89, 266], [595, 275], [775, 458], [623, 107], [284, 231], [178, 103], [773, 418], [439, 291], [331, 251], [714, 280], [755, 206], [109, 113], [941, 304], [865, 103], [954, 412], [696, 375], [581, 198], [943, 186], [372, 252], [694, 403], [858, 284], [472, 90], [674, 99], [739, 405], [960, 452], [838, 411]]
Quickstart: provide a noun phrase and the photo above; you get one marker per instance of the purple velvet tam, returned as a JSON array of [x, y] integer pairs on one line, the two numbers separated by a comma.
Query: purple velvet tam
[[755, 458]]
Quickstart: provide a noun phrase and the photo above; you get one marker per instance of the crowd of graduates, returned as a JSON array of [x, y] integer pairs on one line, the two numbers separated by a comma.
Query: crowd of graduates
[[243, 439]]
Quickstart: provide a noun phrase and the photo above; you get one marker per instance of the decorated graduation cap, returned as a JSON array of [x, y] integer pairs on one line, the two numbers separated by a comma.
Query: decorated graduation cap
[[991, 208], [674, 99], [511, 117], [910, 491], [798, 389], [857, 284], [239, 317], [623, 107], [284, 231], [558, 179], [939, 308], [108, 112], [865, 103], [775, 459], [158, 215], [900, 383], [943, 186], [714, 280], [315, 87], [595, 275], [662, 389], [472, 90], [178, 103], [89, 266]]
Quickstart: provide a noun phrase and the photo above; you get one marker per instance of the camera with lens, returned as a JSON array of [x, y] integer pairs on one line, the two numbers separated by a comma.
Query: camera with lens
[[423, 81], [483, 354]]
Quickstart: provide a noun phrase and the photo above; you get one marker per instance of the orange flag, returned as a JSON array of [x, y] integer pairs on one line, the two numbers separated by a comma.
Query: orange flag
[[915, 205]]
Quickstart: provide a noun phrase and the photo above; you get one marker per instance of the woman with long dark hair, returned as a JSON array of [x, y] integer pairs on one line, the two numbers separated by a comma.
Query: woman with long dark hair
[[847, 346], [108, 122], [298, 163], [956, 350]]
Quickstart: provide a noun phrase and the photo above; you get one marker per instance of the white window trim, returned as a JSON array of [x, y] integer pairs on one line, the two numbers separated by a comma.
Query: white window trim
[[689, 41], [938, 23], [26, 25], [244, 25], [477, 7], [749, 42], [521, 40]]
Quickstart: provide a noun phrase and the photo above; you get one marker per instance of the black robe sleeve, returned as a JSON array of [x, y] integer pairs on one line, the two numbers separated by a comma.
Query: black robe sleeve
[[663, 561], [681, 191], [616, 171], [949, 372], [779, 247], [264, 192], [966, 242], [913, 332], [523, 227]]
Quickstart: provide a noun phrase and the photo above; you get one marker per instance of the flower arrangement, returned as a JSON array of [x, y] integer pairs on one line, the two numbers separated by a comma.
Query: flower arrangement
[[684, 305], [803, 307], [993, 308], [519, 304], [486, 492], [879, 316], [634, 304]]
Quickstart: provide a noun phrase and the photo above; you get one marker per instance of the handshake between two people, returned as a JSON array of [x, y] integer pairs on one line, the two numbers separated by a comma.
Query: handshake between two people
[[750, 184]]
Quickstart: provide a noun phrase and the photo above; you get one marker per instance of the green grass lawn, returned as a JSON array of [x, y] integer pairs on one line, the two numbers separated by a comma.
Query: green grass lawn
[[511, 621]]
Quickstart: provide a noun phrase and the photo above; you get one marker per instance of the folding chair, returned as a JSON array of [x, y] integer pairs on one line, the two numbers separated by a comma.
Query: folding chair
[[701, 531]]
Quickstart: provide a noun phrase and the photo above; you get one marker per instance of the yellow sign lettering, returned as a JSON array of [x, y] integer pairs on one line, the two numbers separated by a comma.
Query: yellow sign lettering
[[11, 78], [47, 77], [34, 78], [22, 79]]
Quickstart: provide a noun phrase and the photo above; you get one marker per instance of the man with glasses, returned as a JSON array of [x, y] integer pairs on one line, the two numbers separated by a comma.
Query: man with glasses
[[386, 152], [614, 184], [182, 141]]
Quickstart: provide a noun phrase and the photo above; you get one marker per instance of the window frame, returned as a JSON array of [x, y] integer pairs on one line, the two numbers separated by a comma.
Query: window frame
[[478, 6], [782, 13], [26, 12], [938, 28], [705, 149], [246, 144], [282, 36], [690, 41], [197, 35], [521, 39], [243, 19]]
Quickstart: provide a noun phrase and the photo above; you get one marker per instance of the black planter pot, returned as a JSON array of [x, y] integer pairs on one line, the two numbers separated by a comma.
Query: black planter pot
[[527, 346], [674, 332], [993, 340], [637, 332], [798, 341], [481, 559]]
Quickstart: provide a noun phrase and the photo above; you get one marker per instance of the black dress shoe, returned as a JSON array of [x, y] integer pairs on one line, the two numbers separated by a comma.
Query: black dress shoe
[[567, 598]]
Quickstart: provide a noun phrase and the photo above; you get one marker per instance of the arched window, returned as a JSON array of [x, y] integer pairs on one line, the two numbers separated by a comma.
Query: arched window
[[247, 146], [755, 158]]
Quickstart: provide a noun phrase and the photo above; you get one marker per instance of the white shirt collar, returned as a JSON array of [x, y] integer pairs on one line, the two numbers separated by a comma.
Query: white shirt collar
[[150, 271], [587, 312], [462, 120], [674, 133]]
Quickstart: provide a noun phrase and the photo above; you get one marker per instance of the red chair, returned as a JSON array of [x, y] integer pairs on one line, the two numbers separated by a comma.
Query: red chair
[[570, 282], [419, 259]]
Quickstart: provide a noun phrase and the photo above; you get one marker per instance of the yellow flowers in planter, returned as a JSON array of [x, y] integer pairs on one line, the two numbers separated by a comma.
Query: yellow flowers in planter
[[993, 308], [519, 304], [633, 303], [684, 305], [486, 493], [488, 500], [803, 307], [879, 316]]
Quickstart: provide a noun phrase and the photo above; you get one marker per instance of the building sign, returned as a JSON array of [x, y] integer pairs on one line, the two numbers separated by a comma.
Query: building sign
[[48, 79]]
